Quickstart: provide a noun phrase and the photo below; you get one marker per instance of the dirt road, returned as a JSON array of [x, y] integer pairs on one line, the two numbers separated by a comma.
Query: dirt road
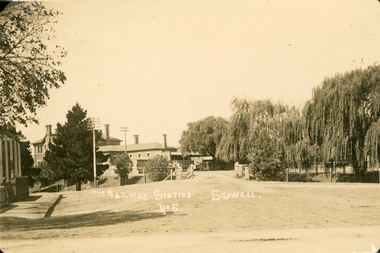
[[214, 212]]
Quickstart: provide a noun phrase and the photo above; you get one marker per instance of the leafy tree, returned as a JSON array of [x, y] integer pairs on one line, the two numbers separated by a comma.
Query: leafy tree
[[343, 114], [27, 162], [248, 118], [46, 175], [123, 167], [203, 136], [267, 157], [70, 155], [234, 143], [157, 168], [28, 68], [261, 133]]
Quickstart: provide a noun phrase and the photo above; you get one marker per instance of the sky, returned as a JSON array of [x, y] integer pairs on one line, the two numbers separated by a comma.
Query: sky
[[154, 66]]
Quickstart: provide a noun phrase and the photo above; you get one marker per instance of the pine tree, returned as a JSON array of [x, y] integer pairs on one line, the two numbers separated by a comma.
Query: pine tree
[[70, 155]]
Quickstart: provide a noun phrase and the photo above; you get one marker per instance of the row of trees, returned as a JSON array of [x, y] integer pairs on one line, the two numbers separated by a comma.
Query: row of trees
[[340, 123]]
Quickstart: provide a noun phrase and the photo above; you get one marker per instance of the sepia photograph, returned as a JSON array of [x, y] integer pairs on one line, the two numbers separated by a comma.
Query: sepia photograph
[[190, 126]]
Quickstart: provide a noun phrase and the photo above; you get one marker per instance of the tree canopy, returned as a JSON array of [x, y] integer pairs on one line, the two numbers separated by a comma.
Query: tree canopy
[[123, 167], [341, 118], [203, 136], [70, 155], [259, 133], [28, 67], [341, 123]]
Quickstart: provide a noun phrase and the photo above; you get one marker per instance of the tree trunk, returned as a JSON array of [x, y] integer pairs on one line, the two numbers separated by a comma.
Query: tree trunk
[[78, 185], [123, 180]]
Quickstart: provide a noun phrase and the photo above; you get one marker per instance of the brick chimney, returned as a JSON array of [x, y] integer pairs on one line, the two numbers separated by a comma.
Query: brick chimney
[[136, 139], [48, 130], [107, 131], [165, 144]]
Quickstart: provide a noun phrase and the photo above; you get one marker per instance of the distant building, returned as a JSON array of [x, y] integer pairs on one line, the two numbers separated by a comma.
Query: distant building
[[106, 139], [138, 152], [41, 146]]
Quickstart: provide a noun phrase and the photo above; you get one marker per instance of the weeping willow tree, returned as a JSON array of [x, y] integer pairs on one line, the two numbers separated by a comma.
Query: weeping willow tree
[[259, 133], [372, 144], [298, 151], [341, 118], [234, 144]]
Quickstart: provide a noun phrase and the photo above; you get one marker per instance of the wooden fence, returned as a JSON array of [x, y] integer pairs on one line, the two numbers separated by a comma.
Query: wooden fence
[[179, 174]]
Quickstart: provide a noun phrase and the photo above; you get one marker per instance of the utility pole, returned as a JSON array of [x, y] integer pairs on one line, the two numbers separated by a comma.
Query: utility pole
[[125, 130], [93, 125]]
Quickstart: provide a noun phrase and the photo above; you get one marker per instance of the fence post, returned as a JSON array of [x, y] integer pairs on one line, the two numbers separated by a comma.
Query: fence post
[[287, 174], [330, 175]]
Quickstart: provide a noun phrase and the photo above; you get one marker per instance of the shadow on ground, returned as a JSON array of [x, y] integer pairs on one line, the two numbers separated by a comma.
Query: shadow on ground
[[10, 206], [102, 218]]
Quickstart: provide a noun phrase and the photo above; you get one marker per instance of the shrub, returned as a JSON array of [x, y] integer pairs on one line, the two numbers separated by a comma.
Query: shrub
[[157, 168]]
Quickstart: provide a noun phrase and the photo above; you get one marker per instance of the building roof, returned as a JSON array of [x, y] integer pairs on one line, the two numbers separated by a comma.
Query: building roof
[[136, 147], [42, 141], [110, 138]]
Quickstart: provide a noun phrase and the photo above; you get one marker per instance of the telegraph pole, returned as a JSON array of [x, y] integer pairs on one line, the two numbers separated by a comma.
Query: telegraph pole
[[93, 125], [125, 130]]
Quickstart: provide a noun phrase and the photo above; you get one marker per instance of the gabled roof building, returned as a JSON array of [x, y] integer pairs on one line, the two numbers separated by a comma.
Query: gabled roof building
[[138, 152]]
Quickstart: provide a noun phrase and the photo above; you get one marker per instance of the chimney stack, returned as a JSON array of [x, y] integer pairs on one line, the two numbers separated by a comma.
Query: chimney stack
[[107, 131], [165, 143], [48, 130], [136, 139]]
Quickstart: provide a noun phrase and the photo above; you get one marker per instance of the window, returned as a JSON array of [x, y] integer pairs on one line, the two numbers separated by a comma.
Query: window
[[139, 155], [148, 154], [130, 155]]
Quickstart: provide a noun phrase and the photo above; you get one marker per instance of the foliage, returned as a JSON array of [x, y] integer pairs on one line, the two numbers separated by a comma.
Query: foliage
[[70, 155], [203, 136], [264, 134], [28, 68], [234, 143], [341, 113], [340, 123], [27, 162], [157, 168], [267, 157], [372, 144], [46, 175], [123, 165]]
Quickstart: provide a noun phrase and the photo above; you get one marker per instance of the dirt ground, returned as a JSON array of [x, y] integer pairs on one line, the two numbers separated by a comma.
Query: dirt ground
[[214, 212]]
